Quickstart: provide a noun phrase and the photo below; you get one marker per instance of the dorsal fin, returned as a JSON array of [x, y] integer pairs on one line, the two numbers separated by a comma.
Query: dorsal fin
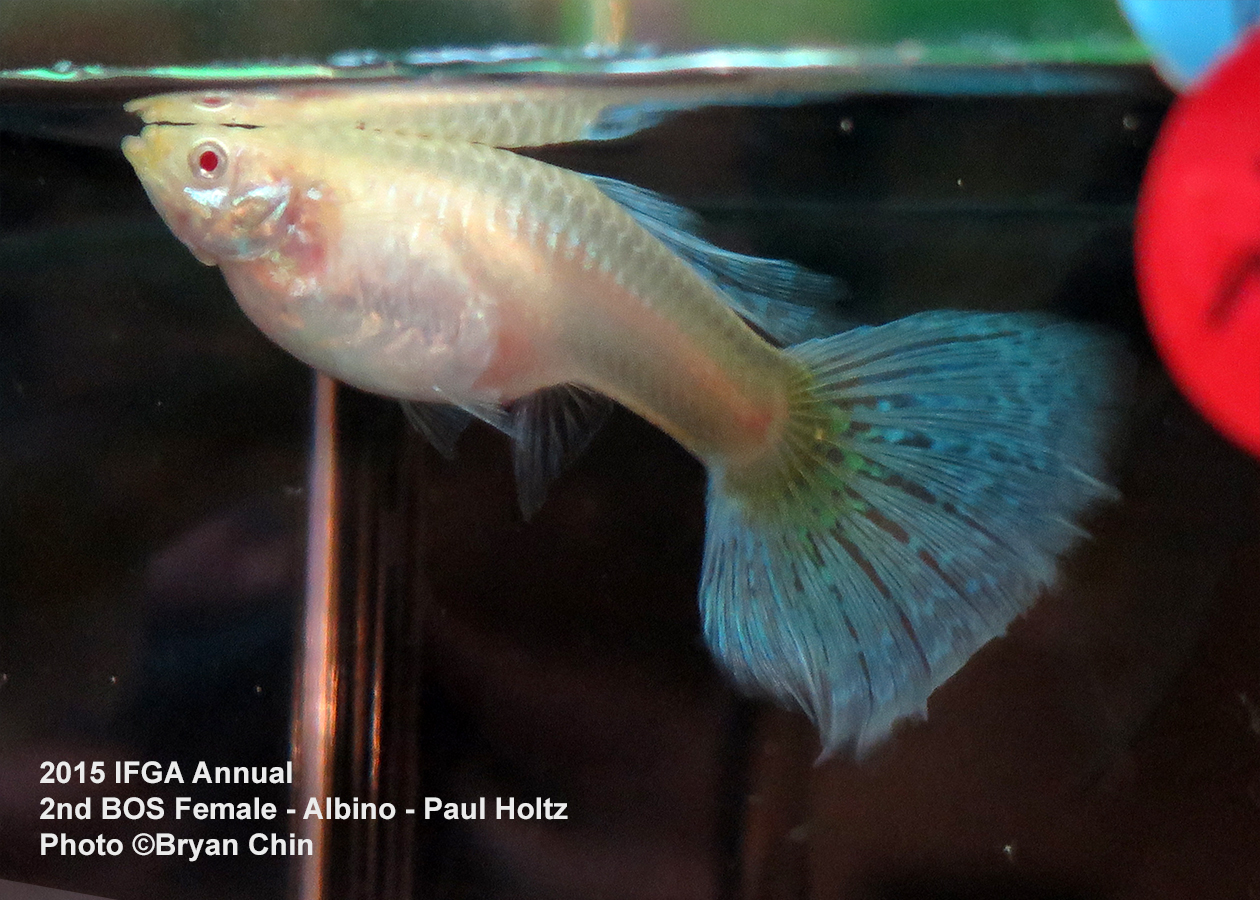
[[619, 121], [786, 302]]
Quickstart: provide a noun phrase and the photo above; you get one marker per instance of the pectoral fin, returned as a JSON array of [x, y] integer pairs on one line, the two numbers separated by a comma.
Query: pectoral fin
[[440, 423]]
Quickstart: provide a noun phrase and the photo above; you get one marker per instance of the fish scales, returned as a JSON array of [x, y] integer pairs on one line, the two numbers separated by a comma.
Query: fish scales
[[630, 331]]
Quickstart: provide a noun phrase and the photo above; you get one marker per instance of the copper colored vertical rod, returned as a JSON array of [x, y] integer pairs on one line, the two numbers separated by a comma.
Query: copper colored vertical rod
[[316, 707]]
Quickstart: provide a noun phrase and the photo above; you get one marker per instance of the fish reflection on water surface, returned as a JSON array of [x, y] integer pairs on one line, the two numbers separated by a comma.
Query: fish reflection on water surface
[[882, 502]]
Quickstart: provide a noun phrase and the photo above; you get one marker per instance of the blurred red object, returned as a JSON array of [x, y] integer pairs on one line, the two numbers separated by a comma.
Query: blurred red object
[[1198, 245]]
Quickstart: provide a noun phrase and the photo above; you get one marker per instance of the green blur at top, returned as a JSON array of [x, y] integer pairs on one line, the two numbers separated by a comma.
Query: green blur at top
[[144, 34]]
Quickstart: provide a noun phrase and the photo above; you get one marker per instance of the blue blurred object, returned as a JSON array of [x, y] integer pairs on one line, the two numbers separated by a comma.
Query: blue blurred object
[[1186, 36]]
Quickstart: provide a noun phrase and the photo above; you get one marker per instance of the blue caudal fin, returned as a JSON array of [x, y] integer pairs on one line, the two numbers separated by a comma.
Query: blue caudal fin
[[933, 471]]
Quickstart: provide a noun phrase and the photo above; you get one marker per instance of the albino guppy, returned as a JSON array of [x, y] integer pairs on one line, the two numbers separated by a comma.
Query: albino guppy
[[882, 502]]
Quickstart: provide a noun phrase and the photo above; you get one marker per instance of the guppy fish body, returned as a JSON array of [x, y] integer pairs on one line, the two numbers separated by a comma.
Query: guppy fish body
[[467, 274], [882, 502]]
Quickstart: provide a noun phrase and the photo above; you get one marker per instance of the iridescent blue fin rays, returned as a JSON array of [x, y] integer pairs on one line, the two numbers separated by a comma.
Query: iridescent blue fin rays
[[940, 468]]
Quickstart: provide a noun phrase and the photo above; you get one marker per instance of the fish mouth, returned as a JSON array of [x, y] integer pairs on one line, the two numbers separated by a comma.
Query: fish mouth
[[146, 154], [210, 107], [152, 151], [143, 151], [133, 149], [159, 109], [140, 107]]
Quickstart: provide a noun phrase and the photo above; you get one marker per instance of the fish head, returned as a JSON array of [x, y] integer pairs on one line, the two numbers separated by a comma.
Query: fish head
[[217, 187]]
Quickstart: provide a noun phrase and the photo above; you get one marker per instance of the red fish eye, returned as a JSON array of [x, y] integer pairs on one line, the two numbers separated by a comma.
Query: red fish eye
[[208, 160], [212, 101]]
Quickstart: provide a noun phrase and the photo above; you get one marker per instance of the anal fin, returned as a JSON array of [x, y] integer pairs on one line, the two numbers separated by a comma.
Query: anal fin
[[550, 428]]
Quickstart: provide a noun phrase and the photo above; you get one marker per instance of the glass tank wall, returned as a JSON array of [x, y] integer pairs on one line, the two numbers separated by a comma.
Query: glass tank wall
[[208, 555]]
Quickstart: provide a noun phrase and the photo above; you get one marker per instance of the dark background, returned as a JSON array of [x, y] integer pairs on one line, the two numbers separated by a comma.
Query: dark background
[[153, 453]]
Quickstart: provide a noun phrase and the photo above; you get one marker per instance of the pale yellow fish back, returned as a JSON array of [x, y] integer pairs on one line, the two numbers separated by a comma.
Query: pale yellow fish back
[[553, 209]]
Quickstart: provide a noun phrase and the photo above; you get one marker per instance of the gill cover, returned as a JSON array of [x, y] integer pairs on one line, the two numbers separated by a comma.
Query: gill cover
[[213, 189]]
